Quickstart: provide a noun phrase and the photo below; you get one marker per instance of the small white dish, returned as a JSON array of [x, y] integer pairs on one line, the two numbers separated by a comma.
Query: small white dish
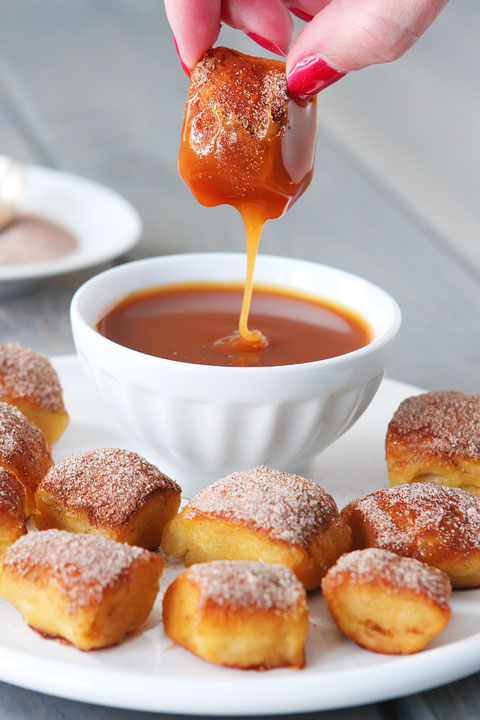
[[146, 672], [104, 224], [203, 421]]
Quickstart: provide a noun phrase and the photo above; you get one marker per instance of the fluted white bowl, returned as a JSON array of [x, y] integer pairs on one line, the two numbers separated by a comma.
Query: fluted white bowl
[[200, 421]]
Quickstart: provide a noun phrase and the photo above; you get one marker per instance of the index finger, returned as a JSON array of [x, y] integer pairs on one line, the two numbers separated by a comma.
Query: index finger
[[195, 25]]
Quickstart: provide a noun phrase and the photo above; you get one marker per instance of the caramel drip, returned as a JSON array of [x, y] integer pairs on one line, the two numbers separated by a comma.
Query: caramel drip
[[246, 143], [253, 228]]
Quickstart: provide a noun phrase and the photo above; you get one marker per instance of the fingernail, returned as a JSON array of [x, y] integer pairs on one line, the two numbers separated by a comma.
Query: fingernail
[[300, 13], [184, 67], [267, 44], [310, 75]]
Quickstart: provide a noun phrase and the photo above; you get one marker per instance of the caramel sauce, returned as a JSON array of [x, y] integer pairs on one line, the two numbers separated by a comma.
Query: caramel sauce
[[245, 143], [184, 322]]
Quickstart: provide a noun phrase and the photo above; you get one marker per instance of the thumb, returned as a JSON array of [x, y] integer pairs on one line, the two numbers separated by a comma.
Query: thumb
[[348, 35]]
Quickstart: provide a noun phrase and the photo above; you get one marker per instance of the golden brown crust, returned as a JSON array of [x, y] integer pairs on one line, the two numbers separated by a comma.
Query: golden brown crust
[[12, 510], [387, 603], [436, 524], [239, 614], [87, 590], [84, 567], [12, 496], [285, 507], [261, 514], [25, 374], [395, 573], [24, 451]]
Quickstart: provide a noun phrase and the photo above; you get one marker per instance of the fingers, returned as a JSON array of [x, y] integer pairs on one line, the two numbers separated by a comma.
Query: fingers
[[268, 22], [195, 25], [348, 35], [306, 9]]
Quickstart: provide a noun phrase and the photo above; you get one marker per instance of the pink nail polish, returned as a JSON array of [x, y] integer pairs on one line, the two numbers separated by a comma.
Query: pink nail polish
[[184, 67], [267, 44], [310, 75], [300, 13]]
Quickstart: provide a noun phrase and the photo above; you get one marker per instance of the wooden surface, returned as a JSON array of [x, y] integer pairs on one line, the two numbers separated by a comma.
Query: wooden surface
[[93, 87]]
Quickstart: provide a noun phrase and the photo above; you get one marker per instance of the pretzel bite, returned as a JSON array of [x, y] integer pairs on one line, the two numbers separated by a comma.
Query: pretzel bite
[[261, 514], [244, 140], [240, 614], [12, 510], [436, 438], [88, 590], [433, 523], [387, 603], [28, 381], [109, 492], [24, 452]]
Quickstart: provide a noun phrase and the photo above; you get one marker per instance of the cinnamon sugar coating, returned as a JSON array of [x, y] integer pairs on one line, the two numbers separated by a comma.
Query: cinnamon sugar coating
[[241, 584], [244, 141], [12, 510], [12, 495], [23, 450], [25, 374], [445, 424], [20, 440], [251, 92], [84, 567], [109, 485], [418, 520], [239, 614], [436, 524], [287, 507], [400, 574]]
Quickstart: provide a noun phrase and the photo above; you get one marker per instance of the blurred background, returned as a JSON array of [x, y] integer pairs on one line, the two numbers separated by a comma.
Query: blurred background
[[94, 87]]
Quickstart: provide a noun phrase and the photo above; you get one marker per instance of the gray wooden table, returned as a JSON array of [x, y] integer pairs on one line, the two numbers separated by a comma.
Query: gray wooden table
[[93, 87]]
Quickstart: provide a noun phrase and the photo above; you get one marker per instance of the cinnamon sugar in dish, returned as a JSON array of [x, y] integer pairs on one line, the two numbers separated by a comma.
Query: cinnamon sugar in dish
[[32, 239]]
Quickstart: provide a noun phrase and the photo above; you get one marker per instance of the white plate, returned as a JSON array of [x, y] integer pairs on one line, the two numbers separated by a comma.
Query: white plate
[[147, 673], [104, 224]]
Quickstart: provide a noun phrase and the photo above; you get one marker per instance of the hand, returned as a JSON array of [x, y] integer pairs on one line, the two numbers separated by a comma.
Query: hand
[[340, 35]]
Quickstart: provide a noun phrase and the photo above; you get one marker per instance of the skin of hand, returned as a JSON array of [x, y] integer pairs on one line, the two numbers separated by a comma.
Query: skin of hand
[[340, 35]]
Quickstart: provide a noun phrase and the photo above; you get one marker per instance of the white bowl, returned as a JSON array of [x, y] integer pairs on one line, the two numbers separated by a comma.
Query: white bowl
[[201, 422], [104, 224]]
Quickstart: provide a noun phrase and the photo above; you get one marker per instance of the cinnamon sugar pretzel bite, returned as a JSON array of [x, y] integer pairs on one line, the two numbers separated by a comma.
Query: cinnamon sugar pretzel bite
[[239, 614], [88, 590], [24, 452], [28, 381], [244, 140], [436, 524], [436, 438], [261, 514], [110, 492], [387, 603], [12, 510]]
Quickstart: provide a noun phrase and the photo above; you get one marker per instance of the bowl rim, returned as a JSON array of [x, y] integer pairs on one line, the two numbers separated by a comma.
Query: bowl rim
[[76, 186], [180, 366]]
